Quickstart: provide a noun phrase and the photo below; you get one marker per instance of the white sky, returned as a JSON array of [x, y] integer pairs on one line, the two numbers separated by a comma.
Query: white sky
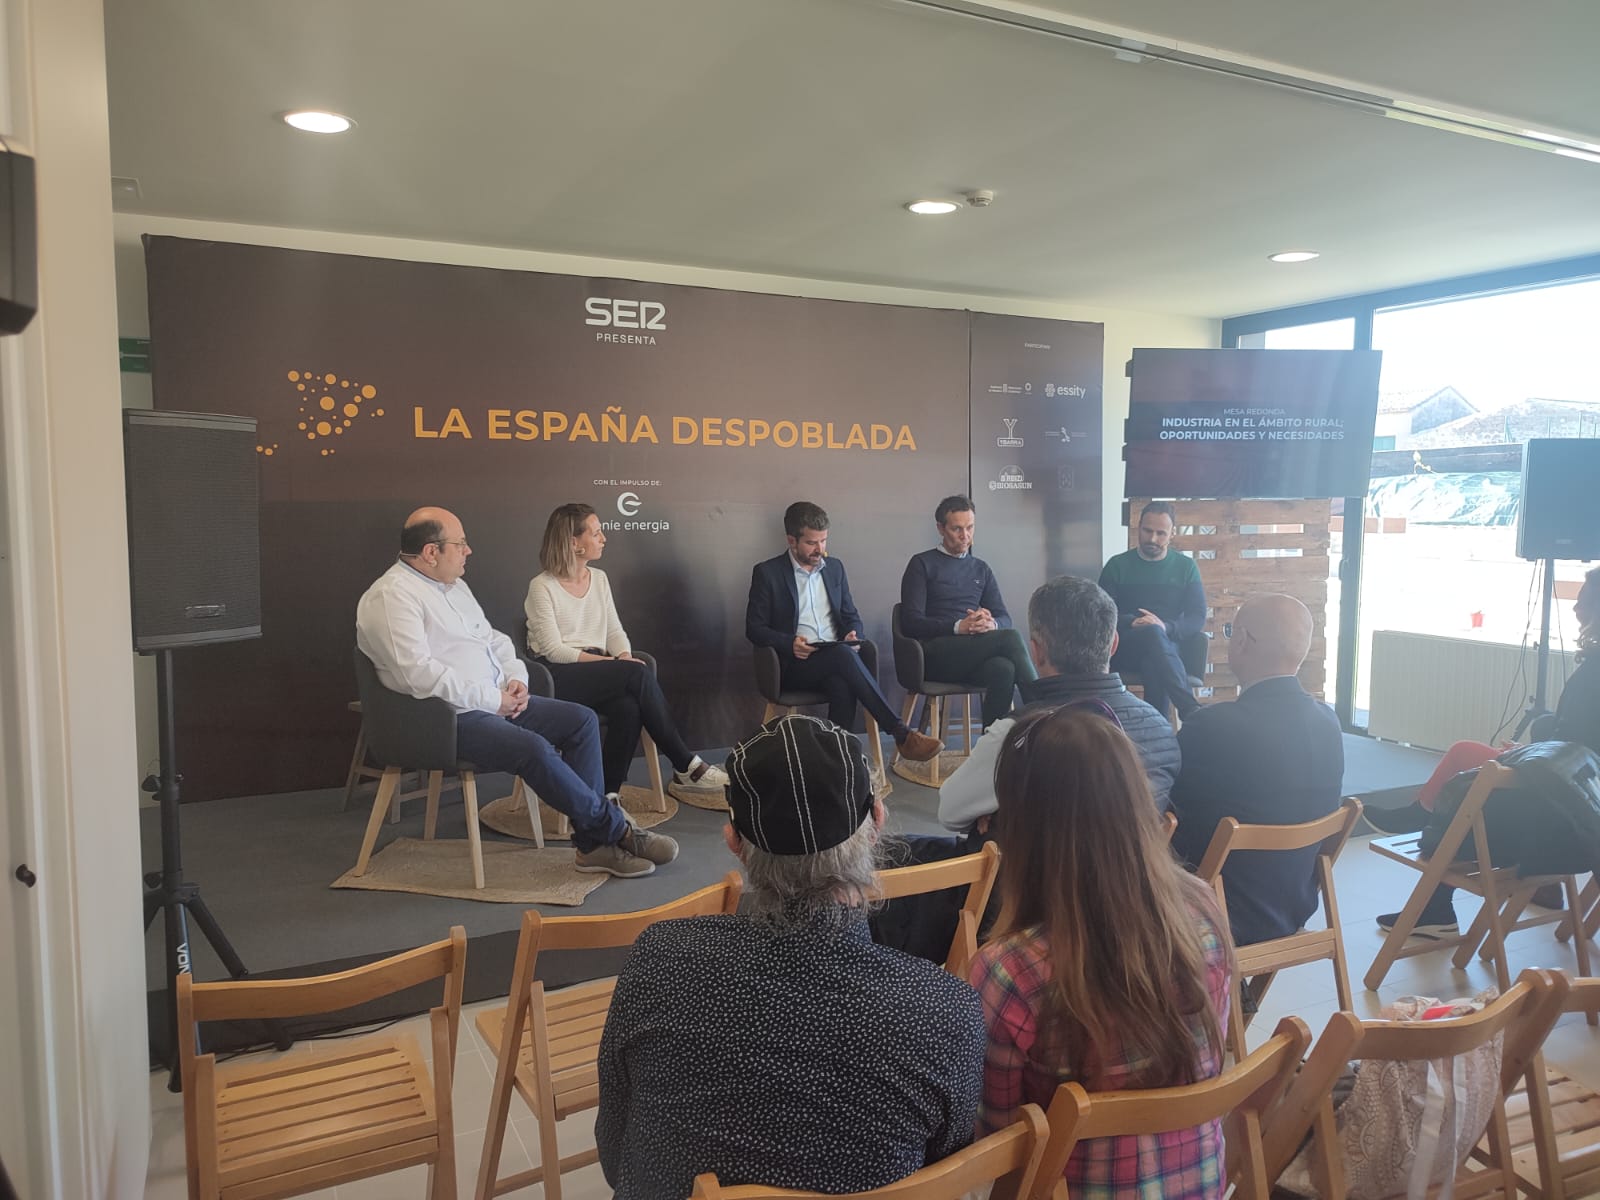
[[1494, 350]]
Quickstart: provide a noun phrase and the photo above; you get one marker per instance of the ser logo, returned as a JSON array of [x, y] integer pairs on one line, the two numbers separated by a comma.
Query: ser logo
[[625, 314]]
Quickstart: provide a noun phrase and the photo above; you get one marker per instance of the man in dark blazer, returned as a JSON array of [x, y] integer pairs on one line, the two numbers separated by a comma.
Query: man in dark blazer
[[800, 605], [1274, 756]]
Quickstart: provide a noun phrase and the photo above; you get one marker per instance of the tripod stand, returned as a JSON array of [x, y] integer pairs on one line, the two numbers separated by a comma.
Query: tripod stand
[[1536, 708], [166, 891]]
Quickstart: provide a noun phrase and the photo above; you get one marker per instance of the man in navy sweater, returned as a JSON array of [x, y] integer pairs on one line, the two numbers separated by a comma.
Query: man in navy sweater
[[950, 602], [1159, 603]]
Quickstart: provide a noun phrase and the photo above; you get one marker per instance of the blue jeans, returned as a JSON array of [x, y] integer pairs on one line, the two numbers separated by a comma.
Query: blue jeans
[[554, 747], [1148, 650]]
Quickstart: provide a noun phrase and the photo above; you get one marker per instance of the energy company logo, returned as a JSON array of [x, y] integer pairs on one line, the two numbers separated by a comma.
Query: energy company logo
[[329, 406], [612, 314]]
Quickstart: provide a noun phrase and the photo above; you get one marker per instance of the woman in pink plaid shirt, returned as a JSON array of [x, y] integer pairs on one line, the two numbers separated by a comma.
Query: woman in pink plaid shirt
[[1111, 965]]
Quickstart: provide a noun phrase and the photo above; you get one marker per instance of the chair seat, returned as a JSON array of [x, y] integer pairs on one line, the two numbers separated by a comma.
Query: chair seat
[[1134, 679], [576, 1018], [799, 699], [938, 687], [370, 1101]]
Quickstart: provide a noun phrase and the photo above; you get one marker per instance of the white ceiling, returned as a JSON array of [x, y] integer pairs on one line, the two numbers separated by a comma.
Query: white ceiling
[[782, 136]]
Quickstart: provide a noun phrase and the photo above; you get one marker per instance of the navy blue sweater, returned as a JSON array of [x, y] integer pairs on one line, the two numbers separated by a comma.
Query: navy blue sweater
[[937, 591]]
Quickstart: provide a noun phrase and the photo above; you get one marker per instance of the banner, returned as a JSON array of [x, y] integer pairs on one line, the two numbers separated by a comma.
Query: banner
[[688, 417], [1251, 424]]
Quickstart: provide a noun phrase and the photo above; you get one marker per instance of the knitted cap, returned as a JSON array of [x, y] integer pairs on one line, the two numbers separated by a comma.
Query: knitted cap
[[799, 786]]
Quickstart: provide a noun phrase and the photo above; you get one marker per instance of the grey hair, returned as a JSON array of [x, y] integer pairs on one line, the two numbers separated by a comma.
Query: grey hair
[[797, 889], [1074, 620]]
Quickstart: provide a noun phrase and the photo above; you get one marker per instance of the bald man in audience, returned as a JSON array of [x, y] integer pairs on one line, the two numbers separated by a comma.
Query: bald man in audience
[[1274, 756]]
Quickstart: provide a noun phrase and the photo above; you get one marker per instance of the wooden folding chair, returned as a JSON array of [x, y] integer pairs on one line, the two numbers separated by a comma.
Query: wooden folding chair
[[1505, 893], [1008, 1158], [1259, 963], [545, 1047], [975, 871], [1554, 1120], [1522, 1016], [1239, 1096], [1169, 824], [311, 1121]]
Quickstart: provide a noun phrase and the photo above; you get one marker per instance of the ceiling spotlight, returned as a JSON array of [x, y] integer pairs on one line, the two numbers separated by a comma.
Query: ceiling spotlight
[[932, 208], [313, 121], [1293, 256]]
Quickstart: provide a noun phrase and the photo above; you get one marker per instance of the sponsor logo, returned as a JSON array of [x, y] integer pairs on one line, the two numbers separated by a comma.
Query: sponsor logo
[[1028, 387], [1011, 480], [1065, 389], [628, 504], [1011, 440], [625, 314], [1004, 389], [1064, 479], [1035, 346], [1059, 433]]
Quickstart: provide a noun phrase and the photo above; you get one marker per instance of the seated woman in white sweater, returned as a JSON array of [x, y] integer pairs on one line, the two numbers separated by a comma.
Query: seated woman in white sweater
[[574, 630]]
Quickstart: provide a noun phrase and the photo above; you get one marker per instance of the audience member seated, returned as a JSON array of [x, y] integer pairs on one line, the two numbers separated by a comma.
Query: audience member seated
[[573, 628], [1274, 756], [779, 1045], [800, 605], [950, 602], [1159, 603], [1576, 719], [1072, 631], [1111, 966], [423, 630]]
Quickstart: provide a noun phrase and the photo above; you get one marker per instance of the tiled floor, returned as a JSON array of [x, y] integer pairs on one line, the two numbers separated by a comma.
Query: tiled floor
[[1367, 885]]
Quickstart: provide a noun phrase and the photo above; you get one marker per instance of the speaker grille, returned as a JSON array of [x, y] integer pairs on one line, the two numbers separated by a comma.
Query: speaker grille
[[1558, 488], [194, 531]]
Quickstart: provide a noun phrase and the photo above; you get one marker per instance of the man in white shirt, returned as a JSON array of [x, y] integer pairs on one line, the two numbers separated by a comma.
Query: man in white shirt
[[427, 636]]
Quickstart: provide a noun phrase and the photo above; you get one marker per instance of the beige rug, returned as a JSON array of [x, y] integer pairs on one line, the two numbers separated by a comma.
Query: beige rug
[[443, 867], [499, 816], [922, 772]]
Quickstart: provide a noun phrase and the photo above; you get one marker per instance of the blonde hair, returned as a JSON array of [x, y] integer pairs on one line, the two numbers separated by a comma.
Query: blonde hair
[[1088, 867], [565, 523]]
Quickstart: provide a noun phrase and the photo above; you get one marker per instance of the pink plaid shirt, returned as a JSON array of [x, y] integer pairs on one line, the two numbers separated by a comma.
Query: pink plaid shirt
[[1186, 1164]]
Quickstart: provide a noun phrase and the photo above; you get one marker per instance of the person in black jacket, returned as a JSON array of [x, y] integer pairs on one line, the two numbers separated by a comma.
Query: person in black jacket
[[1274, 756]]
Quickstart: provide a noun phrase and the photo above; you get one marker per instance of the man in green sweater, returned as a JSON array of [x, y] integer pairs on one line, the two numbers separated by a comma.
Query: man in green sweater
[[1159, 603]]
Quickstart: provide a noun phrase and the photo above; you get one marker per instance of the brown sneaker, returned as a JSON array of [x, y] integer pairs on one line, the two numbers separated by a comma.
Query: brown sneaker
[[656, 848], [613, 860], [919, 747]]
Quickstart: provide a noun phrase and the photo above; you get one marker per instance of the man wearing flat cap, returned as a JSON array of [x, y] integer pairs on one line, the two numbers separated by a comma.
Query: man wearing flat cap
[[779, 1045]]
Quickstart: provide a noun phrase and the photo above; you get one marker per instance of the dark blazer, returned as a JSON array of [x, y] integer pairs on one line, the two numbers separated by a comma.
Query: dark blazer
[[1275, 756], [772, 614]]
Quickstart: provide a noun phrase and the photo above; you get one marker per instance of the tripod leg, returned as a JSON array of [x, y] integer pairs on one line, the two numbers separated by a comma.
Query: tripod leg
[[177, 964], [229, 956]]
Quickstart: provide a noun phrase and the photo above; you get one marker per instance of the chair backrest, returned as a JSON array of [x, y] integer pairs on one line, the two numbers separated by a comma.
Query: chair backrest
[[1524, 1016], [1329, 834], [402, 731], [1240, 1096], [769, 674], [1468, 819], [275, 999], [1169, 822], [1009, 1158], [909, 663], [976, 871]]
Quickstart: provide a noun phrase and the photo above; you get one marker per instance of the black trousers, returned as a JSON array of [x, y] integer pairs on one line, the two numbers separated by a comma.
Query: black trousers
[[626, 696], [1148, 650], [837, 672]]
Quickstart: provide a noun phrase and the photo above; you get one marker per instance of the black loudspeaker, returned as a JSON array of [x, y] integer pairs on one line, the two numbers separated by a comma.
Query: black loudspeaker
[[194, 528], [1560, 479], [19, 255]]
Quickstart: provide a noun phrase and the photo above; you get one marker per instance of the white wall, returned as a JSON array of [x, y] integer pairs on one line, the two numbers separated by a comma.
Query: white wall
[[75, 1118]]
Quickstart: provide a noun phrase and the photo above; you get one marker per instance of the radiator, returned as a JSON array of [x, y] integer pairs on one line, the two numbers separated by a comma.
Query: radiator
[[1432, 691]]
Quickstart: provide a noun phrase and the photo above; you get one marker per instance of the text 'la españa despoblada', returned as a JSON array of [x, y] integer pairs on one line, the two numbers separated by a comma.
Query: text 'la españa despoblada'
[[614, 425]]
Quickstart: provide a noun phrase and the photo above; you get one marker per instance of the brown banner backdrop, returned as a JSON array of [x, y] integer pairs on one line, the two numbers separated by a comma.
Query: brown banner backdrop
[[688, 417]]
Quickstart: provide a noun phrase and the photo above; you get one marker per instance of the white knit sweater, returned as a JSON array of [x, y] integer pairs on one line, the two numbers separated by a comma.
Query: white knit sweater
[[560, 625]]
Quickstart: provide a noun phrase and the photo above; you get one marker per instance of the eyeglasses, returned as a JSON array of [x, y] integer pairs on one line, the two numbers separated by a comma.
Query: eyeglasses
[[443, 542]]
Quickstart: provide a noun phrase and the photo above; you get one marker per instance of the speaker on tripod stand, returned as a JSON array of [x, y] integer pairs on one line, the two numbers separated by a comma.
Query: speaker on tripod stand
[[194, 560], [1559, 481]]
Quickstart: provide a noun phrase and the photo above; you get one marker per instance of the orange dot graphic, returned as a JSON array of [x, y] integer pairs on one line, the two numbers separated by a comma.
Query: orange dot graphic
[[379, 412], [369, 391], [346, 425], [324, 428], [344, 383], [268, 452], [352, 409], [329, 377], [327, 403], [300, 387], [302, 424], [311, 437], [325, 454], [259, 449], [293, 375]]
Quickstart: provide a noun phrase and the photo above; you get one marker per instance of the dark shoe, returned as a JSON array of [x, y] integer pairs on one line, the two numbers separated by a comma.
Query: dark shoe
[[612, 860], [919, 747], [655, 848], [1409, 818], [1431, 926], [1551, 895]]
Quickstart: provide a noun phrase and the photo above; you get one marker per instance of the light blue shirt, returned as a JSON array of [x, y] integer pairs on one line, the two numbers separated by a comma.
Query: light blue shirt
[[814, 615]]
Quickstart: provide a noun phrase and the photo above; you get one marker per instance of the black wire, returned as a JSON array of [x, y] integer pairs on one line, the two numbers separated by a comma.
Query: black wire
[[1519, 681]]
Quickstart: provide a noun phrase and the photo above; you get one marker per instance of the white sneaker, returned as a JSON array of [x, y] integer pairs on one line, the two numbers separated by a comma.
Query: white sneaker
[[704, 780]]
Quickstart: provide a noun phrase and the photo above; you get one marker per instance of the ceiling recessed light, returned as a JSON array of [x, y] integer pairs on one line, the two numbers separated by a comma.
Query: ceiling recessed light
[[1293, 256], [314, 121], [932, 208]]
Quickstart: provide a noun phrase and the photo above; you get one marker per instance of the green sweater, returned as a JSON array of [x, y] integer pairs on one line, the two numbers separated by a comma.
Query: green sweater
[[1169, 588]]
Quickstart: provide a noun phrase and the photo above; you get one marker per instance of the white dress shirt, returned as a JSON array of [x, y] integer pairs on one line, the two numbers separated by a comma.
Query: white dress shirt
[[813, 614], [431, 639]]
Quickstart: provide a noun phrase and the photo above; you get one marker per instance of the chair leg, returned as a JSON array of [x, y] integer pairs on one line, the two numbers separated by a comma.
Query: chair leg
[[1580, 946], [394, 807], [936, 705], [357, 761], [469, 801], [967, 732], [431, 823], [519, 803], [1497, 932], [388, 786], [906, 710], [771, 711], [875, 736], [494, 1134], [1403, 925], [1236, 1022], [652, 763]]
